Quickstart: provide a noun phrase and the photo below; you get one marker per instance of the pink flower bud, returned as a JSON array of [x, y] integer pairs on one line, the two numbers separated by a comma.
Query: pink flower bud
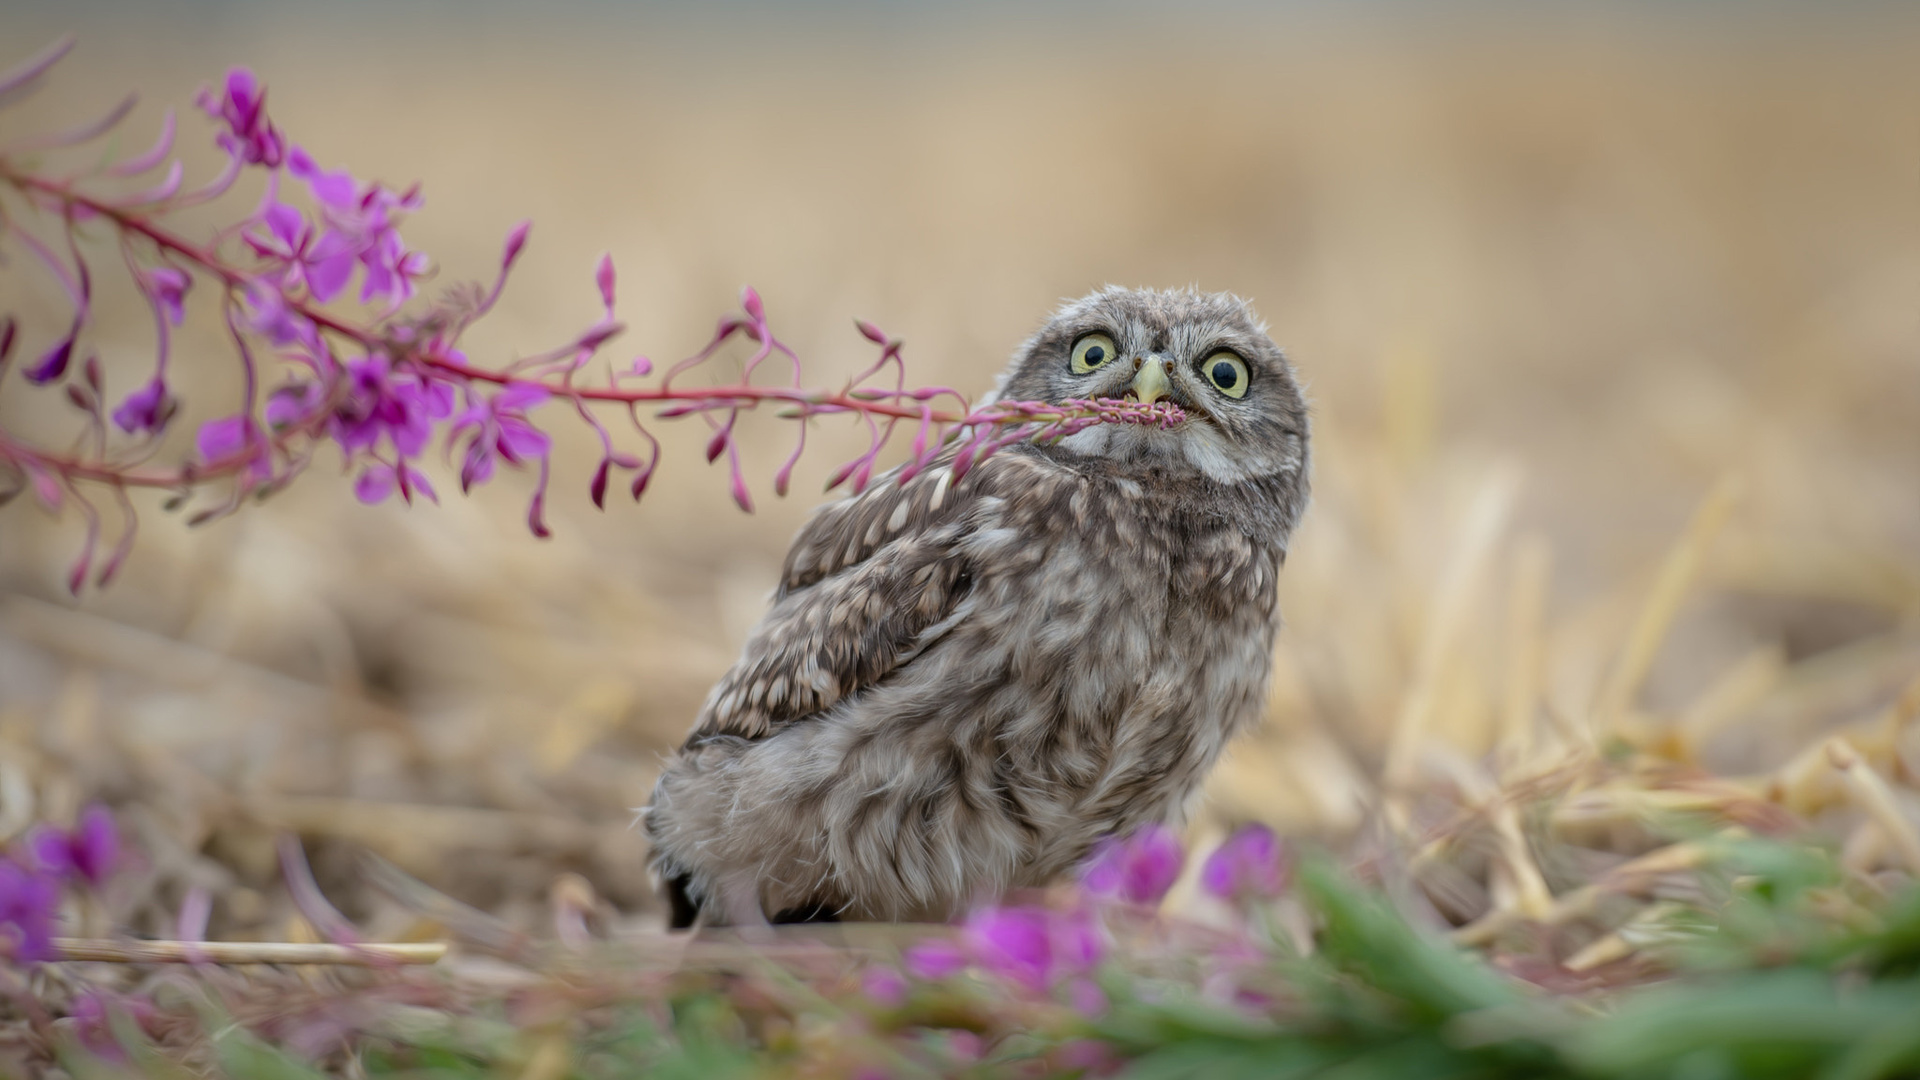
[[598, 488], [516, 242], [871, 332], [52, 363], [750, 301], [603, 276], [740, 492]]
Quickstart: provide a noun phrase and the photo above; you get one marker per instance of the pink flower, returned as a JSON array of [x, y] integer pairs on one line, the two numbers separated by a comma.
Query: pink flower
[[28, 901], [1035, 947], [250, 136], [224, 437], [167, 287], [1138, 869], [269, 313], [1013, 942], [379, 480], [1250, 864], [146, 409], [52, 363], [501, 430], [335, 189], [390, 269], [402, 407], [89, 852], [1087, 998], [294, 403], [322, 261], [934, 959], [234, 436], [884, 986]]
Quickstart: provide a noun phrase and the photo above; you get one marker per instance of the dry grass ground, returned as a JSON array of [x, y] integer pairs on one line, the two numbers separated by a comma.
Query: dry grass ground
[[1612, 328]]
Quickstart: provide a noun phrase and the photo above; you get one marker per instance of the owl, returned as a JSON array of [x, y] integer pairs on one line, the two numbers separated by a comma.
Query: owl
[[966, 681]]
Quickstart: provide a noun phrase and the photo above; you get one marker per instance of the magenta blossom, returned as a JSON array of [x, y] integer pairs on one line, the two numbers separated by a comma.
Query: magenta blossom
[[250, 136], [225, 437], [1035, 947], [401, 407], [28, 901], [268, 313], [884, 986], [501, 430], [934, 959], [390, 269], [52, 363], [87, 853], [323, 261], [146, 409], [237, 437], [379, 480], [167, 287], [1250, 864], [335, 189], [1138, 869], [294, 403]]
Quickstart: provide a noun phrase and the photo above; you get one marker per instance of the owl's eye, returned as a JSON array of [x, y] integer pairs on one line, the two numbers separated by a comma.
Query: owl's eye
[[1227, 373], [1091, 353]]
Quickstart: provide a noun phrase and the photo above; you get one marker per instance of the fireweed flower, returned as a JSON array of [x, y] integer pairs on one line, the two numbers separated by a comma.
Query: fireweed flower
[[167, 287], [401, 407], [29, 899], [146, 409], [87, 853], [500, 430], [1035, 947], [250, 136], [268, 314], [294, 403], [284, 261], [381, 479], [1250, 864], [1138, 869], [323, 261], [335, 189], [237, 437]]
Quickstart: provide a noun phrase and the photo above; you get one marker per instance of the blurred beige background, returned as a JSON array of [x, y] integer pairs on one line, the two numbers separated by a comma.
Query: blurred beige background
[[1595, 262]]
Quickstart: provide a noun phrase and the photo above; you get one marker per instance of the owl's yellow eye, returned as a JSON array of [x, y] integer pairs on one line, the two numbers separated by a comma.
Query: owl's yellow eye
[[1091, 353], [1227, 373]]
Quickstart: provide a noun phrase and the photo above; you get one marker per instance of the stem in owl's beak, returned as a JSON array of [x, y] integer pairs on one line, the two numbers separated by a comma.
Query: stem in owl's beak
[[1150, 382]]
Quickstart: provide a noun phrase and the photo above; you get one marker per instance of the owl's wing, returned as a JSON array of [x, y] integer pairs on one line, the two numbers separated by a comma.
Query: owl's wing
[[870, 581]]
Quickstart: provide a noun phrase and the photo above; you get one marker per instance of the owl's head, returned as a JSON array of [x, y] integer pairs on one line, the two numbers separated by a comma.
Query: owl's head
[[1205, 352]]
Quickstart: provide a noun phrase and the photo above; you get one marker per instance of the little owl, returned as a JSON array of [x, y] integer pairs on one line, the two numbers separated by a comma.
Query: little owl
[[963, 684]]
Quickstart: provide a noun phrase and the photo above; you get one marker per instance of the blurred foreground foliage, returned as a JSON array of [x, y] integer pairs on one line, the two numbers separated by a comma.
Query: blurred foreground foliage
[[1781, 967]]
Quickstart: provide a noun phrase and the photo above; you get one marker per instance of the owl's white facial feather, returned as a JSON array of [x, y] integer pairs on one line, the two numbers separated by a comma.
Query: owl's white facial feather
[[1164, 344]]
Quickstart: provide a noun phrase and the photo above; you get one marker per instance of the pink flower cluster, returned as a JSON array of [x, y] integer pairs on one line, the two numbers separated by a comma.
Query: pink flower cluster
[[30, 884], [1047, 949], [385, 390]]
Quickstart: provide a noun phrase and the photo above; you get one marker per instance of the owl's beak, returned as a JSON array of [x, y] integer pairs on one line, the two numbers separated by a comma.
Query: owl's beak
[[1150, 382]]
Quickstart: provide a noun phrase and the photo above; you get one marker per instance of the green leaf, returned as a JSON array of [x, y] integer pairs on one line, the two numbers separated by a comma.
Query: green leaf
[[1367, 938]]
